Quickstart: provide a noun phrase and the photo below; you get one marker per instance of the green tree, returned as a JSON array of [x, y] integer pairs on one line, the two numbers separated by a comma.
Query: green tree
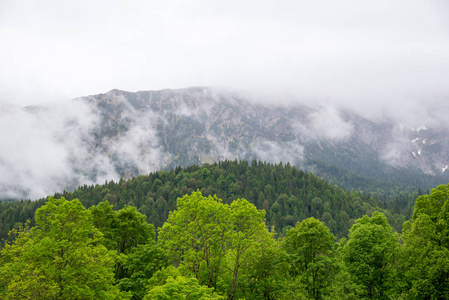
[[371, 255], [197, 235], [248, 224], [124, 231], [132, 230], [140, 265], [254, 257], [343, 286], [265, 269], [182, 288], [426, 247], [226, 247], [104, 219], [60, 258], [310, 247]]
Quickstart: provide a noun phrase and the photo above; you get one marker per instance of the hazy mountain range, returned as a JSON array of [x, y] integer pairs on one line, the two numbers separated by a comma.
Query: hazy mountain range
[[123, 134]]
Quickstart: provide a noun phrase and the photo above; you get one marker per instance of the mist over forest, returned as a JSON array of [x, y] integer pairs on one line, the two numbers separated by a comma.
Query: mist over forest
[[58, 146]]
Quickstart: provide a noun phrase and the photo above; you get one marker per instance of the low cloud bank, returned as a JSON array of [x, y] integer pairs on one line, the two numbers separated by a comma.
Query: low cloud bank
[[52, 147]]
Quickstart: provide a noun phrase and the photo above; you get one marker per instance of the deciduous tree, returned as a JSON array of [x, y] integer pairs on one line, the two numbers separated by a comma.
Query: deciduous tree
[[310, 247], [60, 258], [371, 255], [426, 251], [197, 236]]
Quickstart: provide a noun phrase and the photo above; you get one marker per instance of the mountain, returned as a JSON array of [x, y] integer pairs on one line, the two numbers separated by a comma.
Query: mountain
[[123, 134], [200, 125]]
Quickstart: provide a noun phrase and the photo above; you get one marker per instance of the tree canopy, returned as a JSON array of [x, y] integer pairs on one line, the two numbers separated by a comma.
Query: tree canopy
[[426, 251], [371, 254], [60, 258], [214, 248]]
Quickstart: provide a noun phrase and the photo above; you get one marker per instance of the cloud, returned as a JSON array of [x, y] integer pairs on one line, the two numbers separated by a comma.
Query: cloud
[[324, 122], [371, 56], [53, 147], [138, 146], [327, 123], [274, 152], [40, 145], [183, 110]]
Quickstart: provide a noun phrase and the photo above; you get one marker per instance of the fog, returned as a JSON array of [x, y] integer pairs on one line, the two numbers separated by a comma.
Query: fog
[[384, 59], [40, 145], [376, 55], [51, 147]]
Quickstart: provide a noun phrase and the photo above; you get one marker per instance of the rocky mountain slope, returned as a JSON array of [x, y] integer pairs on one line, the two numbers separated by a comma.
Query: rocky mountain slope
[[136, 133], [199, 125]]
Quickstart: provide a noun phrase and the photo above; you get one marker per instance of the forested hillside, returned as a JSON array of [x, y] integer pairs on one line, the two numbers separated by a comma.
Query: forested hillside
[[288, 195], [214, 249], [201, 125]]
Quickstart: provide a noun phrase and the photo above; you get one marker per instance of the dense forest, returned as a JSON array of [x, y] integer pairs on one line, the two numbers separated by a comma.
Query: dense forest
[[210, 249], [229, 230], [287, 194]]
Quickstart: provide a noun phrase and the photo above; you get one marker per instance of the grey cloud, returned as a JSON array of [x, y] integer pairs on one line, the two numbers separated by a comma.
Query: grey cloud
[[371, 56], [327, 123], [183, 110], [40, 145], [139, 145], [273, 152], [51, 147]]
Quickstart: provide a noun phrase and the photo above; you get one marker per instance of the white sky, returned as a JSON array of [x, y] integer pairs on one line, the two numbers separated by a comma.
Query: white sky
[[383, 54]]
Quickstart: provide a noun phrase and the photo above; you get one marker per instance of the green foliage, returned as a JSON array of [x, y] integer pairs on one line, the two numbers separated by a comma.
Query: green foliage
[[426, 251], [288, 195], [265, 269], [60, 258], [128, 234], [196, 235], [15, 214], [343, 286], [132, 229], [310, 247], [294, 289], [182, 288], [254, 258], [210, 247], [371, 254], [226, 247], [139, 266]]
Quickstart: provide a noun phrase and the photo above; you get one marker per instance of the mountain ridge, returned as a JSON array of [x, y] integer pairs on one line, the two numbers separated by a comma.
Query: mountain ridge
[[124, 134], [234, 126]]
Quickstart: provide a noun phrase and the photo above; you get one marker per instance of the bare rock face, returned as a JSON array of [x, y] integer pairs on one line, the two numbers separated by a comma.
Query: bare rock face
[[199, 125]]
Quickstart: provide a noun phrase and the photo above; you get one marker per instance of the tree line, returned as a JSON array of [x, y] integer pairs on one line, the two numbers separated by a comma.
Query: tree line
[[210, 249], [287, 194]]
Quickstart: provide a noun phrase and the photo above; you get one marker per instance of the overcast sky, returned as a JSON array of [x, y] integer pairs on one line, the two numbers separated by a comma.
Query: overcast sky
[[382, 54]]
